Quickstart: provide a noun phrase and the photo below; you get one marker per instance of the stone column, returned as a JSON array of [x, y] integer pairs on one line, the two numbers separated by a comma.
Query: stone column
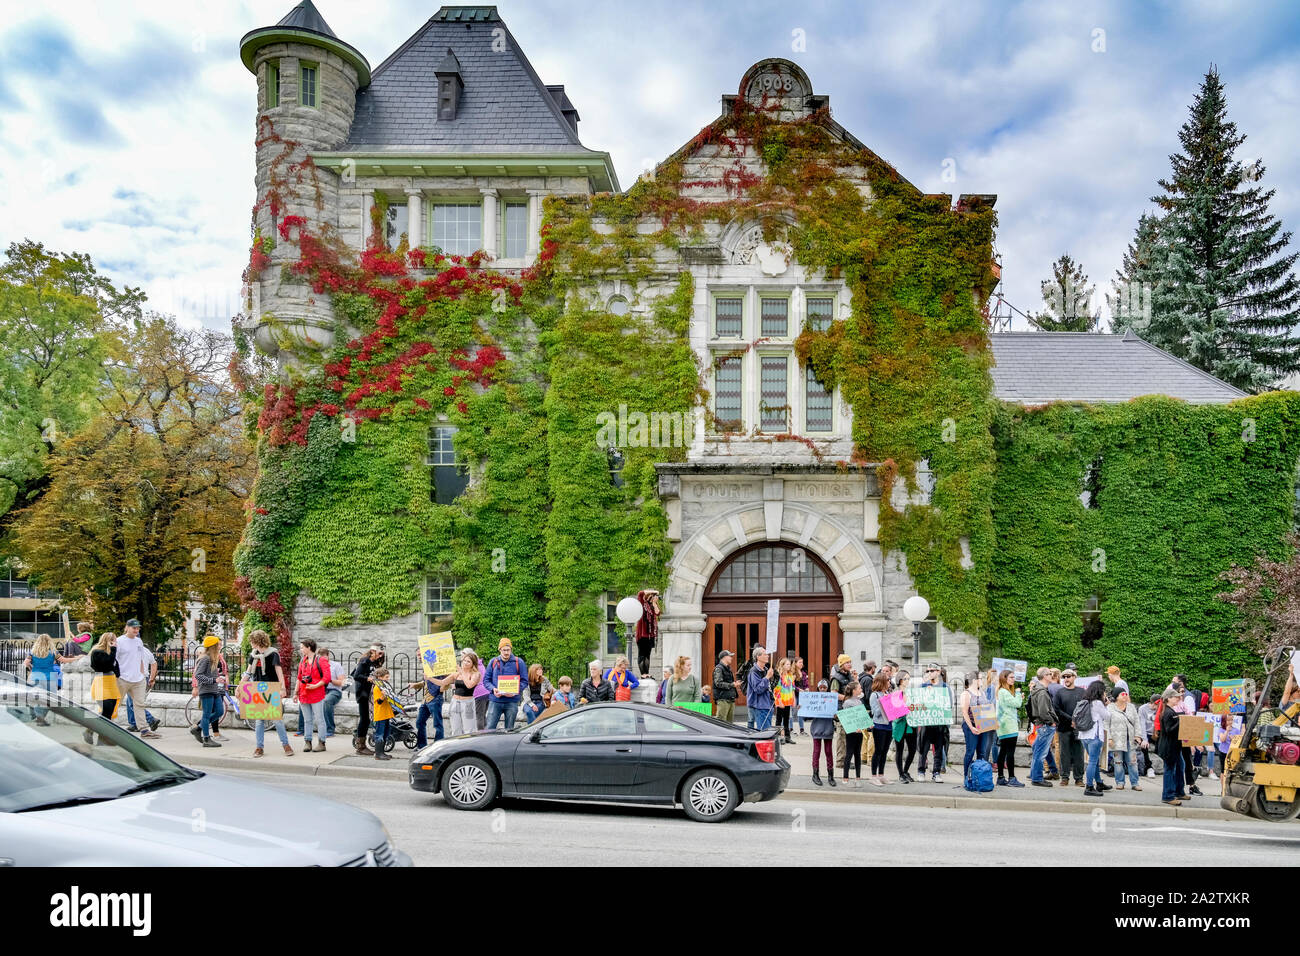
[[414, 224], [535, 221], [367, 202], [489, 221]]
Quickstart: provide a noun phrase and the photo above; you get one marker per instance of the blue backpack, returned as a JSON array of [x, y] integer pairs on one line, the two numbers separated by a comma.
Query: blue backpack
[[979, 779]]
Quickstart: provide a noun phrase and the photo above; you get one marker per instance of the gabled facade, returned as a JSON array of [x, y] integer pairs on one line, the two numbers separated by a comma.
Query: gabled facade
[[832, 428]]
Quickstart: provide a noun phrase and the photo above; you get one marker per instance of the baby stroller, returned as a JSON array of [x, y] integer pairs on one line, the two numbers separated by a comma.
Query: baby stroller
[[400, 726]]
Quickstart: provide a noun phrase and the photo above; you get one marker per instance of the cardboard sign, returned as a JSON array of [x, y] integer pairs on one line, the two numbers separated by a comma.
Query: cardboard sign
[[260, 700], [854, 719], [773, 625], [1228, 697], [705, 709], [1195, 731], [508, 686], [1085, 681], [984, 713], [928, 706], [894, 705], [1019, 668], [552, 711], [437, 654], [817, 704]]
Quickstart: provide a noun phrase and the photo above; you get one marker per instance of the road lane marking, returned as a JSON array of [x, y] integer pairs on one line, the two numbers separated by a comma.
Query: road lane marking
[[1219, 833]]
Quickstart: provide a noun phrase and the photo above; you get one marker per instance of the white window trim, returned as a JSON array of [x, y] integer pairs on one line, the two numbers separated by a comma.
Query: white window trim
[[712, 332], [714, 356], [432, 202]]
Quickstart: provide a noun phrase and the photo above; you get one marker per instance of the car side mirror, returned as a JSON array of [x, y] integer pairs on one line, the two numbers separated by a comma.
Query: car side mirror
[[535, 737]]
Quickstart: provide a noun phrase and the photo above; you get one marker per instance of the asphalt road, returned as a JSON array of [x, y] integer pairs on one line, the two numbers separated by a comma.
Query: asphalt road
[[816, 832]]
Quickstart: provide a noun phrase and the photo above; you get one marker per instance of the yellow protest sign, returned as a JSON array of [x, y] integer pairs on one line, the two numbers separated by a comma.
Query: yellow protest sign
[[437, 654], [507, 686]]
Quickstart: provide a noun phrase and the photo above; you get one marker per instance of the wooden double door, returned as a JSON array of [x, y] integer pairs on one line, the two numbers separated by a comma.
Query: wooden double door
[[814, 636]]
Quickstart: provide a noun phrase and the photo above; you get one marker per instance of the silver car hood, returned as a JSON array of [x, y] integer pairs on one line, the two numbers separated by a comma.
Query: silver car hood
[[213, 821]]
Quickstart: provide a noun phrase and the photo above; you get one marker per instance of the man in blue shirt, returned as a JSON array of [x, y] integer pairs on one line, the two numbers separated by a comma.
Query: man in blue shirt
[[504, 700]]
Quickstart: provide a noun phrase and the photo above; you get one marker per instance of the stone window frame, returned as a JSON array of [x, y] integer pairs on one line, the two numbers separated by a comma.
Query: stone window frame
[[808, 380], [436, 603], [724, 293], [738, 423], [503, 238], [306, 67], [937, 653], [787, 355], [763, 294]]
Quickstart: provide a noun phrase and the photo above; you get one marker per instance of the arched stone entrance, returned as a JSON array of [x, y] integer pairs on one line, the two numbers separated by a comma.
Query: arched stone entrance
[[829, 543], [736, 600]]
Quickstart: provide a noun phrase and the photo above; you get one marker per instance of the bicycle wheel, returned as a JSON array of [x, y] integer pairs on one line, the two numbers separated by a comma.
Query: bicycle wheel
[[193, 711]]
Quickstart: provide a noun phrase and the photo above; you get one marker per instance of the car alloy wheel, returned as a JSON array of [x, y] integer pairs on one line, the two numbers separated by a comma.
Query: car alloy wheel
[[469, 784], [709, 795]]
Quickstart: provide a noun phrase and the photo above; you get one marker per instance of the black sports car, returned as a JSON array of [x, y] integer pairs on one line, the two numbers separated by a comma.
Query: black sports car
[[610, 752]]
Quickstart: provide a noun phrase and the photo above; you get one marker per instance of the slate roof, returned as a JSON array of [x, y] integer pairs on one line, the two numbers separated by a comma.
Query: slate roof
[[1034, 368], [305, 16], [504, 108]]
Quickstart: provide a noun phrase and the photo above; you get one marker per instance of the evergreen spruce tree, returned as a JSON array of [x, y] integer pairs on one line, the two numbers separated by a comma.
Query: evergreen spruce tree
[[1225, 297], [1069, 300], [1130, 296]]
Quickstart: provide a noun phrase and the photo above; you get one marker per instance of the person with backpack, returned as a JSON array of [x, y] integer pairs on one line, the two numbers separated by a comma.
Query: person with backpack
[[976, 748], [853, 741], [1123, 736], [1170, 748], [506, 675], [1066, 700], [313, 678], [1042, 717], [1090, 723], [1009, 701]]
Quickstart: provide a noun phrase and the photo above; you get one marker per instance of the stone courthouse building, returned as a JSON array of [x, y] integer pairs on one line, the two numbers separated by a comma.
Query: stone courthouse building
[[455, 142]]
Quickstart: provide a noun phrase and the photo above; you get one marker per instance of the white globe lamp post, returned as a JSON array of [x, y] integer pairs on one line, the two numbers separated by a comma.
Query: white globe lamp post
[[629, 612], [916, 609]]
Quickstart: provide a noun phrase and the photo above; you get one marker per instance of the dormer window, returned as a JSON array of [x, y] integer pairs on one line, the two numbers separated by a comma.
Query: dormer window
[[450, 86]]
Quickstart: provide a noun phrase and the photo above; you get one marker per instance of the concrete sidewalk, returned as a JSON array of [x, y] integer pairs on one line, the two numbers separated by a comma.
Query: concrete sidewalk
[[340, 760]]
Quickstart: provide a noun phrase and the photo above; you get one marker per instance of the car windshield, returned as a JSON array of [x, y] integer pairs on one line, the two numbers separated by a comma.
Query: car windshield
[[54, 753]]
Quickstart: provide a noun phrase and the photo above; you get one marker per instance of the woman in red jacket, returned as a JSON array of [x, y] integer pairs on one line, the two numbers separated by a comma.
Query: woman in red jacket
[[313, 678]]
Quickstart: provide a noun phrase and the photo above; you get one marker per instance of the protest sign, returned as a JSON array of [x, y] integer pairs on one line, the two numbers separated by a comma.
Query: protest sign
[[773, 625], [260, 700], [508, 686], [555, 709], [1018, 668], [816, 704], [705, 709], [894, 705], [1195, 731], [854, 719], [1228, 697], [1085, 681], [437, 654], [928, 705], [984, 712]]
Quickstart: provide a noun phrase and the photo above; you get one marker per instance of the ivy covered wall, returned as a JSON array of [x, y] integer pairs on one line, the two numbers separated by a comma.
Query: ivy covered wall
[[1177, 494]]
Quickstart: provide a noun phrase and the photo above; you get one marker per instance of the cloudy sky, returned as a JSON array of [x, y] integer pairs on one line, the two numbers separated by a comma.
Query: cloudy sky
[[126, 129]]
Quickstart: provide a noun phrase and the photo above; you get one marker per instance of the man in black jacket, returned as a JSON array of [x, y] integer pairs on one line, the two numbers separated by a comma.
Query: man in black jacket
[[1071, 749], [725, 688], [363, 687], [1042, 715]]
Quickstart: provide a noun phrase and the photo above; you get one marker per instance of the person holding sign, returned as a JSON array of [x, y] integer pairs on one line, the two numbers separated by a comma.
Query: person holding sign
[[853, 739], [1009, 700], [783, 697], [758, 689], [1170, 748], [504, 678], [683, 687], [823, 732], [880, 726], [265, 666]]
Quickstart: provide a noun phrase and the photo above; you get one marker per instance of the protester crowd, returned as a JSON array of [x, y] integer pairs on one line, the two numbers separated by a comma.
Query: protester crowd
[[1079, 730]]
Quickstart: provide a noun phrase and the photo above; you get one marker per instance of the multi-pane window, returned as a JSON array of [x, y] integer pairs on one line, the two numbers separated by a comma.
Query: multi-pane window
[[514, 232], [774, 404], [930, 638], [774, 315], [821, 311], [615, 641], [307, 84], [728, 314], [396, 224], [437, 600], [272, 85], [818, 414], [450, 476], [772, 570], [727, 394], [457, 228]]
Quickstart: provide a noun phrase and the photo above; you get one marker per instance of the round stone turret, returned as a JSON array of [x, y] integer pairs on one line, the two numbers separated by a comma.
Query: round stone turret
[[307, 82]]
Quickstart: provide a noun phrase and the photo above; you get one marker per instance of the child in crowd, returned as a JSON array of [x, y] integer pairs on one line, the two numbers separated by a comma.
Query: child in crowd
[[564, 693], [706, 694], [823, 735], [383, 707], [853, 741]]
